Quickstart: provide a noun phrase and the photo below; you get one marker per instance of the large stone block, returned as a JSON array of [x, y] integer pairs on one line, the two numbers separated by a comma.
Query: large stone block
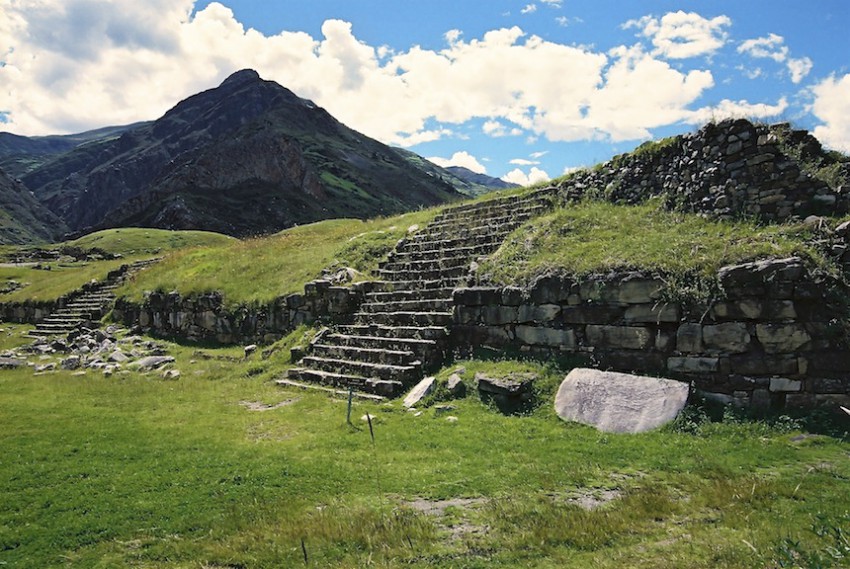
[[550, 289], [541, 336], [755, 364], [730, 337], [678, 364], [652, 313], [782, 338], [592, 314], [627, 337], [783, 385], [541, 313], [689, 338], [477, 296], [617, 402], [498, 315]]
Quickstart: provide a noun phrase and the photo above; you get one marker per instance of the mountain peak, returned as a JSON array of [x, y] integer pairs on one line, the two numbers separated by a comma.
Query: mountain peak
[[241, 77]]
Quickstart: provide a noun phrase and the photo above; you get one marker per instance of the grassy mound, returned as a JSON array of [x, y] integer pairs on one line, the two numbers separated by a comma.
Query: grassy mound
[[598, 237], [132, 241], [258, 270]]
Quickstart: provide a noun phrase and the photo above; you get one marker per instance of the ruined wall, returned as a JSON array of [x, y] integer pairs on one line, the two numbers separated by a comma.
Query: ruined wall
[[205, 317], [725, 170], [773, 340]]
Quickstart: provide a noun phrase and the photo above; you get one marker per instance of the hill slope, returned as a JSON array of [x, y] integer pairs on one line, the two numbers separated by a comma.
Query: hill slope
[[244, 158], [22, 218]]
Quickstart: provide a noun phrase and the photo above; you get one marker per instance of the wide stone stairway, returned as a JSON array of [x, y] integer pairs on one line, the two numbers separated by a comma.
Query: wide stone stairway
[[401, 330], [90, 305]]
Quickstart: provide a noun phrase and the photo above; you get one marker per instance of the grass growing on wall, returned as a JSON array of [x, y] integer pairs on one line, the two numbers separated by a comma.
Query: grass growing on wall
[[597, 237]]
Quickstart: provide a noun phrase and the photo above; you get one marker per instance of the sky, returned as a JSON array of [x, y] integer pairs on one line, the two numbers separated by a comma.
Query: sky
[[521, 90]]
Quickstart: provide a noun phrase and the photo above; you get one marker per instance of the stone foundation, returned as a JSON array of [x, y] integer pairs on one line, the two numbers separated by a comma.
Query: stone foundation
[[775, 338]]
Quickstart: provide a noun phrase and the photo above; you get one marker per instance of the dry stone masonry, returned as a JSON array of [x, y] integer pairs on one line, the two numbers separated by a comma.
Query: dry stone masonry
[[402, 327]]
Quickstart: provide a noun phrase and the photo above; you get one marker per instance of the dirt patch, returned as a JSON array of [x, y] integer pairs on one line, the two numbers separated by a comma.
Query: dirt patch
[[260, 406], [589, 499], [459, 526]]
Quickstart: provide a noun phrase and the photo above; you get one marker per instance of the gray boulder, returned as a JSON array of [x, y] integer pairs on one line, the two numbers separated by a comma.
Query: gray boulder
[[152, 362], [419, 392], [619, 402]]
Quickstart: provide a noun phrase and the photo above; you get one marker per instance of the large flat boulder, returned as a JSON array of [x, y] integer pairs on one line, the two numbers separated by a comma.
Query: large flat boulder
[[619, 402]]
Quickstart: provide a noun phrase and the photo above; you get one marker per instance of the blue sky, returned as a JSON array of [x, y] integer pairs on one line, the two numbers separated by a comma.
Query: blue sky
[[522, 90]]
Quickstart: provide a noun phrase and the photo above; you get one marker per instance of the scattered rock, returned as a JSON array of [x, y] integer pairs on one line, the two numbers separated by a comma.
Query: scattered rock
[[10, 363], [367, 417], [72, 362], [260, 406], [171, 374], [511, 394], [420, 391], [456, 386], [451, 419], [45, 367], [619, 402], [250, 349], [152, 362], [442, 409]]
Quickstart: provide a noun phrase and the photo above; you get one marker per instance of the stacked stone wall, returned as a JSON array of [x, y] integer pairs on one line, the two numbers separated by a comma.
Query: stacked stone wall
[[774, 339], [730, 169], [206, 317]]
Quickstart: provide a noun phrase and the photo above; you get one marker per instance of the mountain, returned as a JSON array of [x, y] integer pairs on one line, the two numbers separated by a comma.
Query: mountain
[[245, 158], [480, 183], [22, 218]]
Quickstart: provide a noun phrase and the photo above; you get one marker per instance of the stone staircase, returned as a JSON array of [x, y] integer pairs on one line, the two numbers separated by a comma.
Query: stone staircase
[[401, 330], [89, 306]]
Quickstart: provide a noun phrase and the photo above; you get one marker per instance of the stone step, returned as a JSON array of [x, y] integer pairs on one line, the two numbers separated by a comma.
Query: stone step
[[418, 294], [424, 350], [329, 390], [413, 305], [436, 333], [471, 234], [327, 349], [425, 263], [497, 217], [378, 387], [400, 286], [419, 319], [469, 252], [489, 242], [405, 374], [542, 195], [423, 275]]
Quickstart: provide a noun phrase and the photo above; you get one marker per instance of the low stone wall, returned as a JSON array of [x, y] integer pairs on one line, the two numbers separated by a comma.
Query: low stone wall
[[205, 317], [775, 339]]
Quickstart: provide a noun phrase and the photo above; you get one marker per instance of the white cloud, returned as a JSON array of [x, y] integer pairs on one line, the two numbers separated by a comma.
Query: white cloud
[[462, 158], [534, 176], [737, 109], [773, 47], [553, 3], [497, 129], [529, 9], [680, 35], [523, 162], [832, 107], [799, 68], [127, 62], [539, 154]]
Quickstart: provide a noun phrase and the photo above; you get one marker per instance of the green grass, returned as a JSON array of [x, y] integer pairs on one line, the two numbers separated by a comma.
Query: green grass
[[134, 470], [132, 241], [598, 237], [46, 285], [259, 270]]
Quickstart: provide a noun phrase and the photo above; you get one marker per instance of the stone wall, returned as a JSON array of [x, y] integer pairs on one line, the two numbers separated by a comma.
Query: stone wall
[[206, 317], [773, 340], [725, 170]]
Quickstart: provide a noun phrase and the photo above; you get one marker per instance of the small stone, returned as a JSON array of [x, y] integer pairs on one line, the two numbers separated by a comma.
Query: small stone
[[171, 374], [456, 386], [367, 417], [152, 362], [10, 363], [72, 362], [250, 349], [451, 419], [442, 409], [420, 391]]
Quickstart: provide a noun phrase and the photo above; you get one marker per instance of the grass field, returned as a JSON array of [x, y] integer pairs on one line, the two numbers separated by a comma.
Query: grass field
[[137, 471]]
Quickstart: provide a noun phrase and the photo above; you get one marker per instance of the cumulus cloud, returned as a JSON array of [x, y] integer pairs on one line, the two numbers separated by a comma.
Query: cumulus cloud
[[462, 158], [680, 35], [832, 107], [117, 63], [529, 9], [737, 109], [773, 47], [523, 162], [534, 176]]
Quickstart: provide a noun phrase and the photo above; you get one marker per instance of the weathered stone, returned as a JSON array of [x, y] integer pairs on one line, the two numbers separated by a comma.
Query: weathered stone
[[693, 364], [652, 313], [11, 363], [628, 337], [748, 309], [171, 374], [782, 384], [782, 338], [689, 338], [618, 402], [71, 362], [499, 315], [419, 392], [456, 386], [592, 314], [755, 364], [477, 296], [540, 336], [152, 362], [730, 337], [250, 349], [118, 357], [550, 290], [511, 296], [542, 313], [513, 385]]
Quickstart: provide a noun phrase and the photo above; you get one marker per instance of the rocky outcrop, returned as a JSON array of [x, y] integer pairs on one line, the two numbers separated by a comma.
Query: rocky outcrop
[[729, 169]]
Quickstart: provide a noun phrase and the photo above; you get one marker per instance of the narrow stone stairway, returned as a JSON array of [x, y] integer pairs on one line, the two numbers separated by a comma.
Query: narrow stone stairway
[[401, 330], [90, 306]]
